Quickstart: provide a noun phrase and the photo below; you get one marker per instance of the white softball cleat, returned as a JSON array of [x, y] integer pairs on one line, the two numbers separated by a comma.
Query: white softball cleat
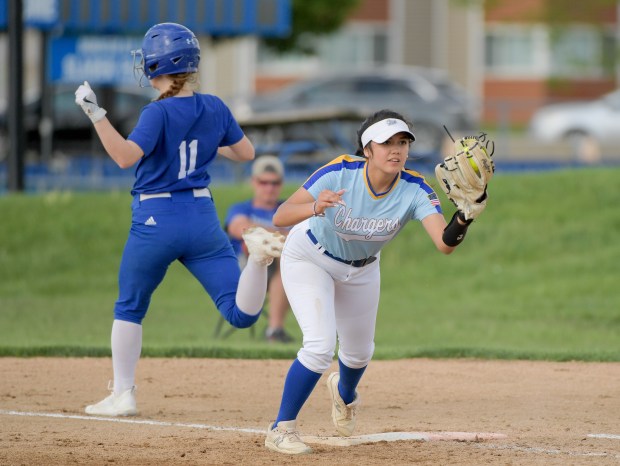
[[263, 245], [284, 438], [115, 405], [343, 415]]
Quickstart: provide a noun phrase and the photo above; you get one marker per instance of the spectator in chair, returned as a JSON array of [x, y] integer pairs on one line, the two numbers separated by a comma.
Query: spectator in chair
[[267, 179]]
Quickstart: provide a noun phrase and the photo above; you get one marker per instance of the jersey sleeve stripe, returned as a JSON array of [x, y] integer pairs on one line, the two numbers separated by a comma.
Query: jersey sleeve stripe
[[339, 163], [411, 176]]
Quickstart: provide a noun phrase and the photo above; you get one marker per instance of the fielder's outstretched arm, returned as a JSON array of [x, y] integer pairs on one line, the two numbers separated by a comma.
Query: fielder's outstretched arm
[[446, 236]]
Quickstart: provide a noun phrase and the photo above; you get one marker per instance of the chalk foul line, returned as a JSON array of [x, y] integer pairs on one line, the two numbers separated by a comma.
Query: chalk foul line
[[608, 436], [336, 441], [473, 437], [131, 421]]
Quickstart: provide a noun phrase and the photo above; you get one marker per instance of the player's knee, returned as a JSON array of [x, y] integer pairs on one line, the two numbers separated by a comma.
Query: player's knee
[[133, 316], [239, 319], [358, 358], [132, 307], [355, 361], [317, 357]]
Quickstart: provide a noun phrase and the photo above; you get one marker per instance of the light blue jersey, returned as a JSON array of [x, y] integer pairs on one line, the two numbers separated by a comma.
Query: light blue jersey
[[369, 220]]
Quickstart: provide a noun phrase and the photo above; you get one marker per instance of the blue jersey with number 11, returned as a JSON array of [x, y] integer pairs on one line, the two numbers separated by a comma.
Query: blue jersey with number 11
[[180, 137]]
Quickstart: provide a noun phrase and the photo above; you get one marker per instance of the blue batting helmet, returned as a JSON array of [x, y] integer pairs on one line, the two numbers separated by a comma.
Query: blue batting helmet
[[169, 48]]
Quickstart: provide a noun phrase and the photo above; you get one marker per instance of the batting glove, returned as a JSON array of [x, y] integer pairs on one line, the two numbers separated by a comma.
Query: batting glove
[[85, 98]]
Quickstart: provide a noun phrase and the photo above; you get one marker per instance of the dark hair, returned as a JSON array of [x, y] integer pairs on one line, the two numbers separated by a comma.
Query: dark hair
[[371, 120]]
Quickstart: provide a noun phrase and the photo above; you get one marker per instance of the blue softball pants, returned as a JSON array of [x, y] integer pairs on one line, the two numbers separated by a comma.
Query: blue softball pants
[[183, 228]]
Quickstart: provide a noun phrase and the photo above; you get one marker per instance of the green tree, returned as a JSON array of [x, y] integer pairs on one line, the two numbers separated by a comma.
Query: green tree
[[315, 17]]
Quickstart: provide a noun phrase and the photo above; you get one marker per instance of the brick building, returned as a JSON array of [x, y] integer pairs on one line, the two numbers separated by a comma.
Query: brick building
[[512, 56]]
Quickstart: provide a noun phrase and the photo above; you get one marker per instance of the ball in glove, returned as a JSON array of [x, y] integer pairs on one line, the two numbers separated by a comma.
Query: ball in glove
[[465, 175]]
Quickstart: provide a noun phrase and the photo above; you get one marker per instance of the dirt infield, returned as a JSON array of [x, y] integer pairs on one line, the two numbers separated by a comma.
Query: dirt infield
[[549, 413]]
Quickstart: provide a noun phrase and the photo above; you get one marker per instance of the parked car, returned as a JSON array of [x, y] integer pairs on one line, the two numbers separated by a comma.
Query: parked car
[[424, 96], [574, 122], [72, 130]]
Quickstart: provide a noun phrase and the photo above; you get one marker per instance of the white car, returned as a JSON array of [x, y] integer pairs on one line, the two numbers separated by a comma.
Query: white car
[[574, 122]]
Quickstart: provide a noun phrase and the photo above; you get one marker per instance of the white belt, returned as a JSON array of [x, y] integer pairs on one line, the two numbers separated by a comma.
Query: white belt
[[202, 192]]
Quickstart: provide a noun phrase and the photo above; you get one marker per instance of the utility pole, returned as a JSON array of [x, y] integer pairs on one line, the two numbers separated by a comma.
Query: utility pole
[[15, 178], [617, 59]]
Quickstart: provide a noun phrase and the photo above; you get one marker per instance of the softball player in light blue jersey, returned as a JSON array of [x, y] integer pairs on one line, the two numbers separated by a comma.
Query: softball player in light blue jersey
[[344, 214], [173, 215]]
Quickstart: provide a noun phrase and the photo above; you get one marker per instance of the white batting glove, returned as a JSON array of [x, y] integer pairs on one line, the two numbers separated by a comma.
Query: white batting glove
[[85, 98]]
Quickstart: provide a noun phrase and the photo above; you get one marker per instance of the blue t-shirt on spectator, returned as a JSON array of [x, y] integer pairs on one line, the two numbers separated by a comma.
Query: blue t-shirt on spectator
[[258, 216]]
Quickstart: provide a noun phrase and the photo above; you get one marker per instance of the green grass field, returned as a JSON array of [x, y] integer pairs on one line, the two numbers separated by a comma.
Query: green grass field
[[538, 277]]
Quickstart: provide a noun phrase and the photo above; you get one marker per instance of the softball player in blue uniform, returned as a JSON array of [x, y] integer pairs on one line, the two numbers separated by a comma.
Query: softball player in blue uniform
[[344, 214], [175, 140]]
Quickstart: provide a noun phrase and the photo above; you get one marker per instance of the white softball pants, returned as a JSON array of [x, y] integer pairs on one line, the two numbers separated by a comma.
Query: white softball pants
[[333, 303]]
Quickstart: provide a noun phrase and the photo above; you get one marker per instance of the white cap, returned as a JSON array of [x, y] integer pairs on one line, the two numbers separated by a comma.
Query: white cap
[[383, 130], [267, 164]]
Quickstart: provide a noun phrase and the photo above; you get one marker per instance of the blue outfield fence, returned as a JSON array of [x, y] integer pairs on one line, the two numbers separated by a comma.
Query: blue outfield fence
[[99, 173]]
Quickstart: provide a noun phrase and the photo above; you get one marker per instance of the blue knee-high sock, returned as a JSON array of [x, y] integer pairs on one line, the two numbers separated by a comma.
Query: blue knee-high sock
[[349, 378], [297, 388]]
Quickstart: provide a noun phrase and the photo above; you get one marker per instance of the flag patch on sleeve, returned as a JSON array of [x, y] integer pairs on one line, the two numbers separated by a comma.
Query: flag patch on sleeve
[[433, 198]]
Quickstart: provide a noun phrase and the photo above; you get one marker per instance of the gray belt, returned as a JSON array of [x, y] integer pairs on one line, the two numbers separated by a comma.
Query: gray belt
[[201, 192]]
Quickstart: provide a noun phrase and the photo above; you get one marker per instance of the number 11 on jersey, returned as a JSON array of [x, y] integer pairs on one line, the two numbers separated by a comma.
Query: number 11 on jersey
[[184, 157]]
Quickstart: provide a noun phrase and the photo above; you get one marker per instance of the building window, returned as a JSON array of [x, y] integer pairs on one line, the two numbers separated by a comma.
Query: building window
[[516, 51], [355, 46], [579, 52], [539, 51]]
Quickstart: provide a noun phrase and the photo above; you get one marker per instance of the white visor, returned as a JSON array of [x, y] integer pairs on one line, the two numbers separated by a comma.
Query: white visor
[[383, 130]]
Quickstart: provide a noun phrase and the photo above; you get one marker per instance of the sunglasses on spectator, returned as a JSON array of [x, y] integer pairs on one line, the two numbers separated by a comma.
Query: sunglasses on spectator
[[269, 182]]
